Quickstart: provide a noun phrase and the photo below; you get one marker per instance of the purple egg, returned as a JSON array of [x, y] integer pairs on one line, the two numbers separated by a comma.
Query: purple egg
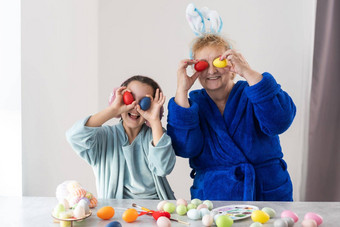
[[145, 103]]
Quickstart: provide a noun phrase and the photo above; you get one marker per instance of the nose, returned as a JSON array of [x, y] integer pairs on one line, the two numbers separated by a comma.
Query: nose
[[211, 69]]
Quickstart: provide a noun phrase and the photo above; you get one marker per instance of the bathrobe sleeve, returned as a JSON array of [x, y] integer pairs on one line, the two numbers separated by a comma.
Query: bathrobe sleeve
[[184, 129], [274, 109], [87, 142], [161, 157]]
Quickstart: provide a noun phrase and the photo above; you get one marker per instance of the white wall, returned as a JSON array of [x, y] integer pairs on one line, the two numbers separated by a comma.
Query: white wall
[[274, 36], [59, 86], [74, 54], [10, 99]]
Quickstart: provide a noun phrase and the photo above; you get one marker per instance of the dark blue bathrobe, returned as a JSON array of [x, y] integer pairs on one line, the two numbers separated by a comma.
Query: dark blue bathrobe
[[236, 156]]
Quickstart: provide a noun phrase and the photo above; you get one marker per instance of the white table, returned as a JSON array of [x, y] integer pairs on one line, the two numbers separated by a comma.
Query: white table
[[36, 211]]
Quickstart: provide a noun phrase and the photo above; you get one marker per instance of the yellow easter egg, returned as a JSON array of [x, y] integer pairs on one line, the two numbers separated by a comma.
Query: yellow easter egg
[[259, 216], [220, 64]]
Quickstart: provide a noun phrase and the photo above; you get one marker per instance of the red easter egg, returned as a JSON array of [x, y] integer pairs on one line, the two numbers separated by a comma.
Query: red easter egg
[[201, 65], [128, 98], [158, 214]]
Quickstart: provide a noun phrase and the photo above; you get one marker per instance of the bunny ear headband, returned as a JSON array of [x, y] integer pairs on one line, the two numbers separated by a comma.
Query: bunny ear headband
[[196, 17]]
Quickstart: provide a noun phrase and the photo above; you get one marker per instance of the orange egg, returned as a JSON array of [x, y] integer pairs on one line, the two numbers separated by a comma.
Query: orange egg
[[106, 212], [130, 215]]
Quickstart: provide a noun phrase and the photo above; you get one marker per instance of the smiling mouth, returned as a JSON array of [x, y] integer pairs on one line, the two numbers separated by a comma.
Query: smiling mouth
[[213, 78], [134, 116]]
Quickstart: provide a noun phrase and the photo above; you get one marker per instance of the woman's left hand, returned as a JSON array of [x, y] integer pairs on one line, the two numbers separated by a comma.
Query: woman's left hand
[[152, 114], [238, 64]]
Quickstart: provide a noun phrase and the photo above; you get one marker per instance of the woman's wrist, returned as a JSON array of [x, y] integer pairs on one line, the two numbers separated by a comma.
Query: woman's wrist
[[252, 77], [181, 98]]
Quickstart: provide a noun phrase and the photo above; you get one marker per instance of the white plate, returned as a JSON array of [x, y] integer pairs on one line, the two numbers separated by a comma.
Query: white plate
[[73, 218], [236, 212]]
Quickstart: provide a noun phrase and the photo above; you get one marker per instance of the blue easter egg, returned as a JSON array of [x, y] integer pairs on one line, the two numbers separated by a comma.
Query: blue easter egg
[[145, 103], [114, 224]]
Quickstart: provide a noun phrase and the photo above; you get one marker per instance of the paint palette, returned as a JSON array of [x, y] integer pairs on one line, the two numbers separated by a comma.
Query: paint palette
[[236, 212]]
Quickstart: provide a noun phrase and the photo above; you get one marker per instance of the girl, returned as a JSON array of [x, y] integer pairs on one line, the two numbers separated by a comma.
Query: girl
[[131, 159]]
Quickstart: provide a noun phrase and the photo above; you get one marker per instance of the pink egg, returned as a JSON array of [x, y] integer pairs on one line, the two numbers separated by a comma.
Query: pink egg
[[161, 204], [291, 214], [308, 223], [201, 206], [314, 216], [163, 222], [181, 201]]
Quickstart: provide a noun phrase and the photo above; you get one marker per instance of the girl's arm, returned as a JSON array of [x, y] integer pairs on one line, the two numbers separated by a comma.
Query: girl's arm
[[114, 110], [152, 115]]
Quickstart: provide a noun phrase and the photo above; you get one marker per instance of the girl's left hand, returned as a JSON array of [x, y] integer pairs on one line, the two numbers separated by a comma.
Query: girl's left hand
[[152, 114]]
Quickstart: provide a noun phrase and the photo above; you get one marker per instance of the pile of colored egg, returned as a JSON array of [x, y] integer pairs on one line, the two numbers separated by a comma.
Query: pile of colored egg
[[73, 192], [195, 210]]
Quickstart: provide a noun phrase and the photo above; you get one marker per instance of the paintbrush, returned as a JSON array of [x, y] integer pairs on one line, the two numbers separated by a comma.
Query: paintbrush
[[148, 210]]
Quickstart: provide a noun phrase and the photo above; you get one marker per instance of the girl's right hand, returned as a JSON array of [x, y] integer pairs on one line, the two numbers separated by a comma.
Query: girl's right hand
[[184, 82], [118, 106]]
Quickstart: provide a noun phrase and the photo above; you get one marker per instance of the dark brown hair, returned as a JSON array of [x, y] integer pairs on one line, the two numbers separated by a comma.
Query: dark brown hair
[[144, 80]]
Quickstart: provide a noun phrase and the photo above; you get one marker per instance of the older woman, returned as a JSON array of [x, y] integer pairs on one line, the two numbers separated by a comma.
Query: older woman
[[230, 131]]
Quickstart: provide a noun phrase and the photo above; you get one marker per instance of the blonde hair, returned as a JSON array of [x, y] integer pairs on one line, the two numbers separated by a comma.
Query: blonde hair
[[209, 40]]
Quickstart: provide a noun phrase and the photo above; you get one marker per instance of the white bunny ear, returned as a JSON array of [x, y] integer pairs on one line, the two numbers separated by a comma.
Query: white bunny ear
[[195, 19], [216, 23]]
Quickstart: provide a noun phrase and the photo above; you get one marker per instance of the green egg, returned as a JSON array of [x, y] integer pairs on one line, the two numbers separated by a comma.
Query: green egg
[[209, 204], [271, 212], [256, 224], [169, 207], [191, 206], [181, 209], [196, 202], [224, 221]]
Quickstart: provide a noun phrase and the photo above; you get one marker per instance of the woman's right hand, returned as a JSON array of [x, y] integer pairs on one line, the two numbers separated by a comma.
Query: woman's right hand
[[118, 106], [184, 82]]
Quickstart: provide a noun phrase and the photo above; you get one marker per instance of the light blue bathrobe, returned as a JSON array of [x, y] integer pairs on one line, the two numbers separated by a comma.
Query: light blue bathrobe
[[112, 158]]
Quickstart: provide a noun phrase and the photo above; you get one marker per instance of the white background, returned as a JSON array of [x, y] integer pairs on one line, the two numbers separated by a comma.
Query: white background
[[74, 52]]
